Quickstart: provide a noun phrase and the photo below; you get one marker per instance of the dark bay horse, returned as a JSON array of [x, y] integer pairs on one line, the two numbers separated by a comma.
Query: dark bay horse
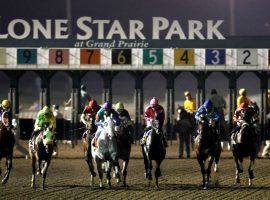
[[42, 151], [245, 145], [153, 149], [87, 137], [185, 125], [7, 141], [124, 146], [208, 145]]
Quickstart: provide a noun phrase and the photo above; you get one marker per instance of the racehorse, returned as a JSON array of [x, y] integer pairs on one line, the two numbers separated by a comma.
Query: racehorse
[[153, 149], [104, 150], [7, 142], [87, 137], [184, 126], [124, 146], [41, 150], [245, 145], [207, 145]]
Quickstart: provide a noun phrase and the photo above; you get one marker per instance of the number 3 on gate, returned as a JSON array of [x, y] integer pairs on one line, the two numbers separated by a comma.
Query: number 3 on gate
[[215, 57], [184, 57]]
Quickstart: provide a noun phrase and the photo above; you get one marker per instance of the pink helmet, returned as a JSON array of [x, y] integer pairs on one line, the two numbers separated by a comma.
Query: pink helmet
[[154, 101]]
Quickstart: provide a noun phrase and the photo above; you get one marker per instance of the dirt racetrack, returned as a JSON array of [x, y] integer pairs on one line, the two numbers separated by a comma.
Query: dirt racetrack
[[68, 178]]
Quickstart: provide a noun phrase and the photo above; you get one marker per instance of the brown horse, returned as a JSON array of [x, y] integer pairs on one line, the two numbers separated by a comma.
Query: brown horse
[[153, 149], [245, 145], [87, 137], [7, 142], [207, 146], [124, 146], [42, 151]]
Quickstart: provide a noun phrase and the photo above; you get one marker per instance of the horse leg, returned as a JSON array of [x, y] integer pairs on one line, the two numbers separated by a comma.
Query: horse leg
[[202, 166], [124, 171], [237, 167], [0, 167], [33, 184], [250, 171], [89, 161], [149, 173], [8, 170], [108, 173], [145, 160], [181, 145], [208, 172], [44, 172], [157, 173], [216, 169], [100, 171], [39, 168]]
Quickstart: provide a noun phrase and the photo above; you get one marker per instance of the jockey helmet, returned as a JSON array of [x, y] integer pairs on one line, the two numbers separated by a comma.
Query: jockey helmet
[[107, 105], [119, 106], [46, 109], [154, 102], [242, 91], [56, 107], [83, 87], [208, 104], [243, 105], [6, 103], [187, 93], [92, 103]]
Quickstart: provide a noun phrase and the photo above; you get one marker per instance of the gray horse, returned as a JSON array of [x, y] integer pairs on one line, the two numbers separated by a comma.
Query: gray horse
[[105, 152]]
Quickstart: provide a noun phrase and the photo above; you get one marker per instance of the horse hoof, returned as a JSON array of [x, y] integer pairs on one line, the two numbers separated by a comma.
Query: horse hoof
[[4, 181], [94, 174], [249, 182], [237, 181], [240, 170]]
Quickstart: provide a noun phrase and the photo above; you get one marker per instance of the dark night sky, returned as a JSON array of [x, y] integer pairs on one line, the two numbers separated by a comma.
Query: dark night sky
[[251, 17]]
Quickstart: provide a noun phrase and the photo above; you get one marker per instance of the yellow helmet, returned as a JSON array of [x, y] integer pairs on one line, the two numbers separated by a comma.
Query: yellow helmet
[[242, 91], [6, 103], [119, 106], [186, 93], [46, 109]]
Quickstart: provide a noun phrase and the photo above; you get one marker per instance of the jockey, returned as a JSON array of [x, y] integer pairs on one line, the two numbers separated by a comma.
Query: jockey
[[154, 112], [238, 117], [208, 110], [89, 112], [106, 111], [5, 107], [189, 103], [45, 116], [122, 112], [243, 97]]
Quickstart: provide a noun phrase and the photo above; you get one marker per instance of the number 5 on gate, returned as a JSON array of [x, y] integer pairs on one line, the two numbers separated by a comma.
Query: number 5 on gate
[[184, 57]]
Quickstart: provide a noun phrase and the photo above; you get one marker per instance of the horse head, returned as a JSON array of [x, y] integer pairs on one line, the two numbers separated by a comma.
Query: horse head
[[109, 127], [181, 113], [48, 139]]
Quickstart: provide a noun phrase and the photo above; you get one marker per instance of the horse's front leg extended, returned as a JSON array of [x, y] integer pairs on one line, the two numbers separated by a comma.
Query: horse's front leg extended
[[39, 167], [250, 172], [157, 173], [100, 171], [202, 166], [108, 173], [208, 172], [237, 167], [44, 173], [33, 184], [124, 171], [8, 170]]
